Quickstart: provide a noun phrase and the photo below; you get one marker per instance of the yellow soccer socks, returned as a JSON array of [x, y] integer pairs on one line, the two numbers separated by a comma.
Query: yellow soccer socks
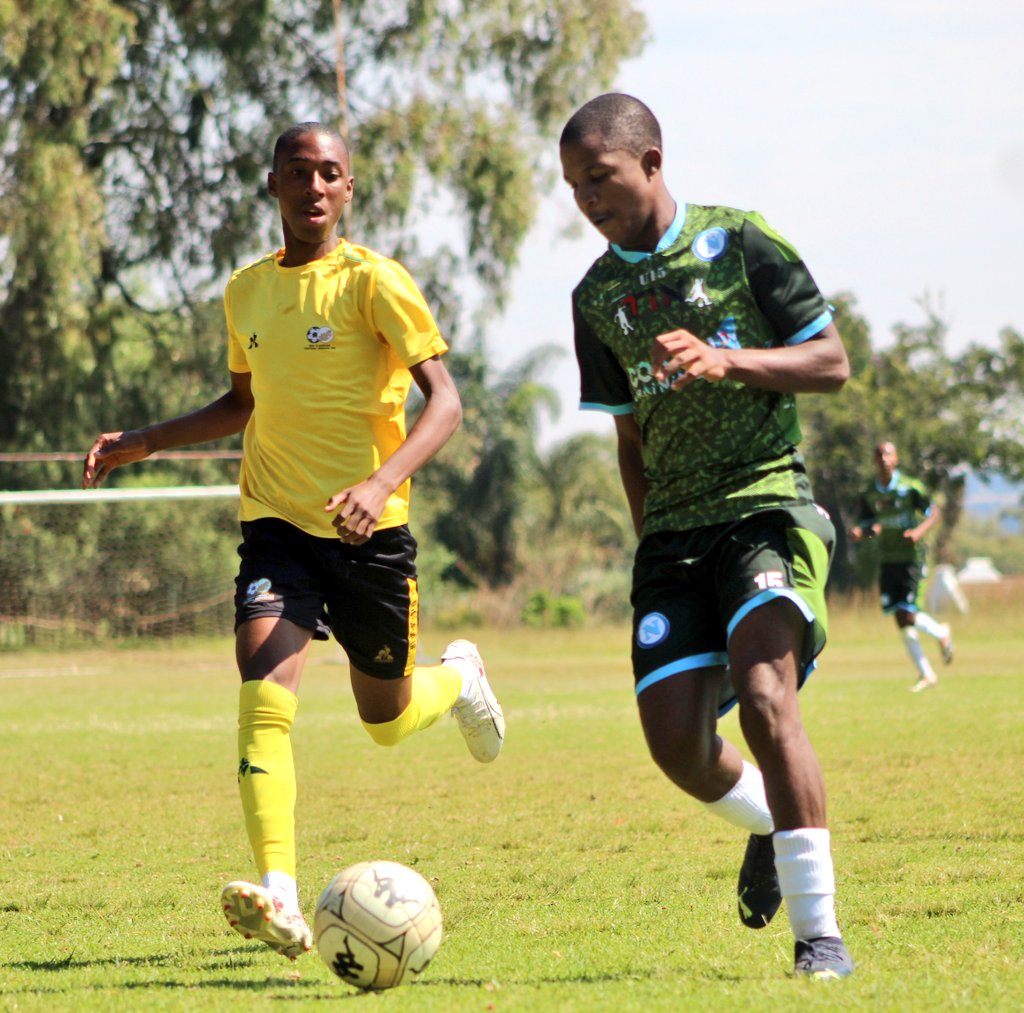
[[434, 691], [266, 773]]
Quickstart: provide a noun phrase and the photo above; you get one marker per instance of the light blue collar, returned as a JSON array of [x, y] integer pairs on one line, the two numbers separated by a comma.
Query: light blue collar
[[637, 256], [893, 482]]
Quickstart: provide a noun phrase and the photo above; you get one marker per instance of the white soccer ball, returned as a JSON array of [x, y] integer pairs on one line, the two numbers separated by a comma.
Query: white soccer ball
[[377, 925]]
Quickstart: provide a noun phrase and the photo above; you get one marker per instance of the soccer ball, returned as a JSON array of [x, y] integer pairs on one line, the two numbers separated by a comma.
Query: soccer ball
[[377, 925]]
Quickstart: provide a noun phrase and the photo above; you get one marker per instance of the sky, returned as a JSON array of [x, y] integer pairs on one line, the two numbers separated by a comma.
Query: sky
[[885, 140]]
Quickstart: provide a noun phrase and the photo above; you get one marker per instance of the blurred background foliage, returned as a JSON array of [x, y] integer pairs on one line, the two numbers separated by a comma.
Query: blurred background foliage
[[137, 137]]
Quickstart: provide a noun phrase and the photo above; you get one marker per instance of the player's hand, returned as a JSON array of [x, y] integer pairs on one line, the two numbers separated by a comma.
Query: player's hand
[[912, 535], [110, 451], [360, 509], [859, 534], [685, 357]]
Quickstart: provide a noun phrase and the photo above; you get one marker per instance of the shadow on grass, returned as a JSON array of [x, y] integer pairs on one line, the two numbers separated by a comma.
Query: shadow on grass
[[69, 963], [245, 959]]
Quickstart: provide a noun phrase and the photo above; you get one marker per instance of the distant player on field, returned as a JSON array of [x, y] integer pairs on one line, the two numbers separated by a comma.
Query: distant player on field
[[324, 340], [899, 511], [693, 331]]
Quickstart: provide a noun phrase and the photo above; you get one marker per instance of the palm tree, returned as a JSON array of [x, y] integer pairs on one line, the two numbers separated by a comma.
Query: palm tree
[[479, 485]]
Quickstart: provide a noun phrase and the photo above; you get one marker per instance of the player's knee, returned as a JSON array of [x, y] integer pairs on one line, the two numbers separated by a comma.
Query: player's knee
[[685, 762], [767, 702]]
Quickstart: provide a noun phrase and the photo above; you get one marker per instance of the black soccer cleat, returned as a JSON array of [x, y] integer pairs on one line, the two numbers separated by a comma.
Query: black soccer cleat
[[822, 958], [758, 894]]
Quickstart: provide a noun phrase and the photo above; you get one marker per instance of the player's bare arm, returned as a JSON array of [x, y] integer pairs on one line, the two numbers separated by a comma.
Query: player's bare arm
[[362, 504], [816, 366], [631, 467], [931, 519], [224, 417]]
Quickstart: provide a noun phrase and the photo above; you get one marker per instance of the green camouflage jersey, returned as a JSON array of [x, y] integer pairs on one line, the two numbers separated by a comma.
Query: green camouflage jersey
[[897, 507], [712, 452]]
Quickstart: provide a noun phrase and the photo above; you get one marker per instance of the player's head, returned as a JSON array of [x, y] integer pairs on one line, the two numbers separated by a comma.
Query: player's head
[[611, 157], [286, 142], [886, 458], [311, 182], [622, 122]]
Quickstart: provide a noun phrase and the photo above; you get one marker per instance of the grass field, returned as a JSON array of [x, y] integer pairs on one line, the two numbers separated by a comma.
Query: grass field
[[572, 876]]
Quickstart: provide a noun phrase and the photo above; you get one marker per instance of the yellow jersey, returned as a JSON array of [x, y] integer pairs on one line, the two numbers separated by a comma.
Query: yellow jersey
[[329, 346]]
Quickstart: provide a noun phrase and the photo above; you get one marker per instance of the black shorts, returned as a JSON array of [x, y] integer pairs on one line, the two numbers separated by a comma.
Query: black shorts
[[692, 588], [366, 595], [901, 586]]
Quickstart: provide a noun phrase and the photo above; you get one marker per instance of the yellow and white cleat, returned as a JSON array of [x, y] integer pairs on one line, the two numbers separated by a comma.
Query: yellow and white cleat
[[256, 913], [481, 719]]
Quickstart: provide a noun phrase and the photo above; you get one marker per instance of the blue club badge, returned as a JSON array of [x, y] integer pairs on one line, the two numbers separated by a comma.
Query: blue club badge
[[710, 244], [652, 629]]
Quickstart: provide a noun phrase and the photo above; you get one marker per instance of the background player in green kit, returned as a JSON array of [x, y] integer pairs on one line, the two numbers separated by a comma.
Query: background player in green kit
[[324, 341], [694, 330], [899, 511]]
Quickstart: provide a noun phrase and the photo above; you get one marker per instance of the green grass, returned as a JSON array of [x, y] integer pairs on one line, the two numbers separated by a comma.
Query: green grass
[[572, 876]]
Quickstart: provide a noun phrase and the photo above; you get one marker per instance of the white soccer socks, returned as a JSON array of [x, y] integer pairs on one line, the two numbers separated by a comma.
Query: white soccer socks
[[745, 804], [803, 861], [926, 624], [283, 886], [912, 642]]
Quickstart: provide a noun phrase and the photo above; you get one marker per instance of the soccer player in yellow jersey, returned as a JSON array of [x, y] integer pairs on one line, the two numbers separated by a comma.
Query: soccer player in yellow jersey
[[325, 339]]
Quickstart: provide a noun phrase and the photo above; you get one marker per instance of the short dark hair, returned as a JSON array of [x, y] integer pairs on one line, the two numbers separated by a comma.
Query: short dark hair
[[286, 141], [624, 122]]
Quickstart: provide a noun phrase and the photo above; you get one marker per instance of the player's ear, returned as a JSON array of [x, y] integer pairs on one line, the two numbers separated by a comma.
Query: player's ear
[[271, 184], [651, 161]]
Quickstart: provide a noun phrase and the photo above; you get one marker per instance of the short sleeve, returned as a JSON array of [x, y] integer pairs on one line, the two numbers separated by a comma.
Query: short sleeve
[[237, 361], [782, 286], [400, 315], [604, 385]]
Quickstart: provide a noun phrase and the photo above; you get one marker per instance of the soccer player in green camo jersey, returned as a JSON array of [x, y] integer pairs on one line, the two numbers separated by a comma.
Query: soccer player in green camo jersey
[[694, 331], [899, 511]]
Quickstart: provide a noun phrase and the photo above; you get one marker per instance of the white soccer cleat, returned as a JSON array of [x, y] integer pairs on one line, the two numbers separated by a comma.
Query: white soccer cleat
[[923, 683], [946, 645], [481, 719], [256, 913]]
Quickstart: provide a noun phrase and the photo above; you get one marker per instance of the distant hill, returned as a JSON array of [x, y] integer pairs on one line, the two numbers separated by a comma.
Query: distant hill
[[988, 499]]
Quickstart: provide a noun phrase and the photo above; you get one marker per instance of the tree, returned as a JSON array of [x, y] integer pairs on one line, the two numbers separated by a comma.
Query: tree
[[51, 207], [481, 481], [139, 135], [948, 415]]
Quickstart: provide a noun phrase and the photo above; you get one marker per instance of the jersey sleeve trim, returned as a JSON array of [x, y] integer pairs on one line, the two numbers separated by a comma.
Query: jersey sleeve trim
[[782, 287], [816, 326], [608, 409], [604, 385]]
